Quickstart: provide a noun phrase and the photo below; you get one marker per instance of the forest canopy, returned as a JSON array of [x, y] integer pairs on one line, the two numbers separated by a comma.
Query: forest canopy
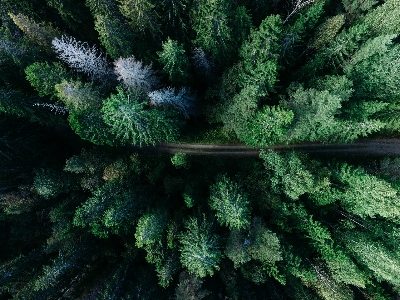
[[88, 86]]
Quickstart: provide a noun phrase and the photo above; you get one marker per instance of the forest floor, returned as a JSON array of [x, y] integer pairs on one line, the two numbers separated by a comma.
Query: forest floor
[[386, 147]]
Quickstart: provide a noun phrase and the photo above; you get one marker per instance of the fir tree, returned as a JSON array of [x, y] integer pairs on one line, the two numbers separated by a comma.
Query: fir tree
[[231, 203], [199, 250]]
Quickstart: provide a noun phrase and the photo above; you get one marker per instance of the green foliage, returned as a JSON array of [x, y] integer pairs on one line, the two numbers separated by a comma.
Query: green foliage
[[290, 175], [115, 36], [374, 255], [44, 77], [327, 31], [384, 19], [49, 183], [179, 160], [230, 202], [150, 228], [78, 96], [142, 16], [374, 69], [200, 253], [366, 195], [260, 56], [356, 8], [132, 123], [41, 34], [112, 209], [175, 62], [189, 288], [268, 126], [211, 24]]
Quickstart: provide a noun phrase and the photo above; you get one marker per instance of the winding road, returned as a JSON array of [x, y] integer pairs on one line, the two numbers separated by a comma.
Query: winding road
[[384, 147]]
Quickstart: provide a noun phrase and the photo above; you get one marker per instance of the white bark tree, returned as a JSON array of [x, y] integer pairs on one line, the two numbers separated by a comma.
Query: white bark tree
[[80, 56], [134, 74], [182, 100]]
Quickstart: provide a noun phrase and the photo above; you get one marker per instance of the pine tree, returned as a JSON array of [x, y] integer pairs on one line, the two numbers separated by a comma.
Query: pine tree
[[268, 126], [366, 195], [130, 122], [260, 56], [41, 34], [44, 77], [384, 19], [355, 9], [112, 209], [142, 15], [327, 31], [200, 253], [383, 263], [290, 175], [374, 69], [149, 228], [189, 288], [78, 96], [106, 8], [175, 62], [115, 36], [211, 24], [230, 202]]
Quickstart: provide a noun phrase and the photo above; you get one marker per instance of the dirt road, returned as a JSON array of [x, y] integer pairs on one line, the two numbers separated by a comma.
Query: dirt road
[[384, 147]]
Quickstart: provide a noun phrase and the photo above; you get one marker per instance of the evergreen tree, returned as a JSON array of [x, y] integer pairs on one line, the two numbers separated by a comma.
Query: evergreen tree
[[200, 252], [142, 16], [115, 36], [189, 288], [384, 19], [175, 62], [211, 24], [230, 202], [150, 228], [44, 77], [183, 100], [38, 33], [365, 195], [260, 56], [130, 122]]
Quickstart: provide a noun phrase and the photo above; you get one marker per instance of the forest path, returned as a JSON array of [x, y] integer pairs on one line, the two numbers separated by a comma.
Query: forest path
[[387, 147]]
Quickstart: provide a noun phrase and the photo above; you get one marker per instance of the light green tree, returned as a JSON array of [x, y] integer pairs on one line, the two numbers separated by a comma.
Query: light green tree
[[150, 227], [211, 24], [43, 77], [175, 62], [230, 202], [131, 122], [260, 56], [200, 253]]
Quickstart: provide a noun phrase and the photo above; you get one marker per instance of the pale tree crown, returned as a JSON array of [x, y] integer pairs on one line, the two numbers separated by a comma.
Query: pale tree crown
[[82, 57], [134, 74]]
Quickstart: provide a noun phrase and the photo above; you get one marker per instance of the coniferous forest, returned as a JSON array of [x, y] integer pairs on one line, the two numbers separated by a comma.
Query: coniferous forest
[[86, 215]]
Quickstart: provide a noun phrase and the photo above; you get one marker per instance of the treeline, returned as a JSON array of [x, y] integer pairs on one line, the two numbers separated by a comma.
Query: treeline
[[82, 217], [267, 72], [109, 224]]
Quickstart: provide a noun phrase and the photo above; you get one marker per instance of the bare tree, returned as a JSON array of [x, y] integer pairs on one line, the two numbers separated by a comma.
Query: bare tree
[[81, 57], [134, 74], [182, 100]]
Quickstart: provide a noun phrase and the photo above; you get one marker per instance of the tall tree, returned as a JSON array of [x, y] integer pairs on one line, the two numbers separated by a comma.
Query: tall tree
[[230, 202], [200, 252]]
